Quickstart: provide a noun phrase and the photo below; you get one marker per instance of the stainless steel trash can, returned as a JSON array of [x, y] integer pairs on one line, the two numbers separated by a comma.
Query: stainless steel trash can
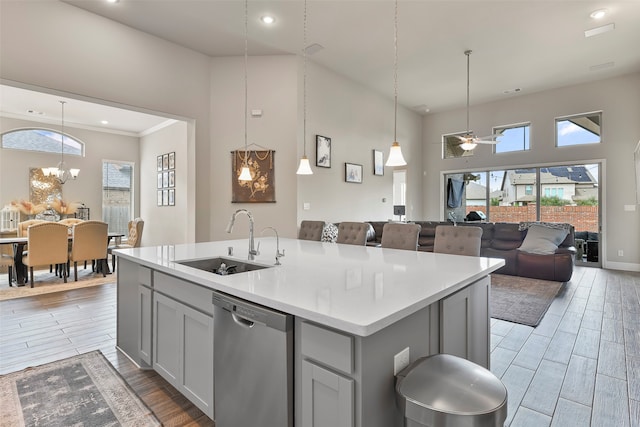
[[446, 391]]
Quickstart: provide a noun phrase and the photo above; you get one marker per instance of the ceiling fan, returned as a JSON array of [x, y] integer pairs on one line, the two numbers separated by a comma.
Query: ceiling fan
[[469, 141]]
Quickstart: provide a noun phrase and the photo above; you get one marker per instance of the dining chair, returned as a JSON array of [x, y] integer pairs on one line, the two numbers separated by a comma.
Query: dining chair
[[353, 233], [311, 230], [400, 236], [70, 222], [24, 225], [134, 238], [6, 260], [454, 240], [48, 244], [89, 243]]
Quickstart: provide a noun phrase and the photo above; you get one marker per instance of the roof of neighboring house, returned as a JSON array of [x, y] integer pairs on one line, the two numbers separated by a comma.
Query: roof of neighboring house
[[549, 175], [475, 191], [116, 175], [38, 140]]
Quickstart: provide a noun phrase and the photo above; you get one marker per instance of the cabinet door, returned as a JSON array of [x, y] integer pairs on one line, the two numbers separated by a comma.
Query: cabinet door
[[145, 305], [166, 338], [327, 398], [464, 323], [197, 358]]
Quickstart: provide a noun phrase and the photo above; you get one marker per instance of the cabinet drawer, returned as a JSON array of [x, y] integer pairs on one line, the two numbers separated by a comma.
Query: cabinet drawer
[[188, 293], [329, 347], [144, 276]]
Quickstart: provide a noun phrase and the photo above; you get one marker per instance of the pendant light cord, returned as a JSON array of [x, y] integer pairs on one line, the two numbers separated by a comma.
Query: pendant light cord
[[62, 133], [468, 53], [246, 90], [395, 73], [304, 82]]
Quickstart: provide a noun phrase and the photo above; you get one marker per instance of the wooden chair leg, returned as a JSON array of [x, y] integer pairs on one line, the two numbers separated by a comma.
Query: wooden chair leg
[[10, 275], [75, 270], [31, 270], [113, 263], [65, 271], [104, 264]]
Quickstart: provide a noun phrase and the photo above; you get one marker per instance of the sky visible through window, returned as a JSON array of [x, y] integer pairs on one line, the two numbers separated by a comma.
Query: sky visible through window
[[571, 134]]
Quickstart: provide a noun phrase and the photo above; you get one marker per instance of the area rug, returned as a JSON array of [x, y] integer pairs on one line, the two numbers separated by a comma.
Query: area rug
[[46, 283], [82, 390], [521, 299]]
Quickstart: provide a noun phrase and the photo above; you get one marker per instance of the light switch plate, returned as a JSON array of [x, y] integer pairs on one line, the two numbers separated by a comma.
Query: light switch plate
[[401, 361], [306, 206], [629, 208]]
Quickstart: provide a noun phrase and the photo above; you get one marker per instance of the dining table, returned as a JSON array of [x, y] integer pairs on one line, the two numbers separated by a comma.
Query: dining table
[[19, 243]]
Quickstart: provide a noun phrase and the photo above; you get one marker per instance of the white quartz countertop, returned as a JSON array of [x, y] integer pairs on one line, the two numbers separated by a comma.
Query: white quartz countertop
[[356, 289]]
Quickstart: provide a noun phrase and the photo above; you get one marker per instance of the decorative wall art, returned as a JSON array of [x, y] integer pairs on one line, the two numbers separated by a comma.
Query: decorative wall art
[[166, 164], [261, 189], [43, 189], [323, 151], [378, 162], [353, 173]]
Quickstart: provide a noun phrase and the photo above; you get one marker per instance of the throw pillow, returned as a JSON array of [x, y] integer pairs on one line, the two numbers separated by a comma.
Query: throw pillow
[[329, 233], [543, 240]]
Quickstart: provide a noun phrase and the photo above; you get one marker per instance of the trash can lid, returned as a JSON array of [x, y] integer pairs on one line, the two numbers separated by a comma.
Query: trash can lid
[[451, 385]]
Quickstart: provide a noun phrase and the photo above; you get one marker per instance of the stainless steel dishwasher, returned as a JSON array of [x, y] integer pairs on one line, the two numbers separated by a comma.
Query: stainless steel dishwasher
[[252, 364]]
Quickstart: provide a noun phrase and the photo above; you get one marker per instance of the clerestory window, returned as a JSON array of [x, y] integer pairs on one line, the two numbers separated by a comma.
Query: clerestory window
[[42, 140]]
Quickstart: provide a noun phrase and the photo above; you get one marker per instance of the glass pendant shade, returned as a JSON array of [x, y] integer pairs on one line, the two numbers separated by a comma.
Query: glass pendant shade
[[245, 174], [395, 156], [468, 146], [304, 168]]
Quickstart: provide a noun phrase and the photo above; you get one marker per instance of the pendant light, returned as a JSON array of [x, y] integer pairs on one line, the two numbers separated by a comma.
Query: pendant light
[[245, 173], [304, 168], [395, 153], [61, 172]]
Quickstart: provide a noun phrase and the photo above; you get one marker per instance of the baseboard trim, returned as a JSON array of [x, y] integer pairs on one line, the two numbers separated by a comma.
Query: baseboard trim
[[625, 266]]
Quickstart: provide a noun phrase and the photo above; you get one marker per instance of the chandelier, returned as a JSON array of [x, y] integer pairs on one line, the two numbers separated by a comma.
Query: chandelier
[[61, 172]]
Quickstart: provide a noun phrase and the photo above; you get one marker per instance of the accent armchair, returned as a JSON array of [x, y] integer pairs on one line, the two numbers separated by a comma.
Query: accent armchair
[[134, 238]]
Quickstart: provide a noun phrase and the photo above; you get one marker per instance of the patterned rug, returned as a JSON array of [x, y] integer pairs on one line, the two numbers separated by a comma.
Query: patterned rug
[[45, 283], [82, 390], [521, 299]]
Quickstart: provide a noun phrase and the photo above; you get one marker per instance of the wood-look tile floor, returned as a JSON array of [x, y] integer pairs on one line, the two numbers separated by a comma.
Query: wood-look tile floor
[[579, 367]]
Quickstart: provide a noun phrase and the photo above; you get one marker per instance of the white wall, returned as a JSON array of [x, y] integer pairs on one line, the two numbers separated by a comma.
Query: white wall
[[619, 101], [87, 188], [357, 121], [164, 225], [59, 47]]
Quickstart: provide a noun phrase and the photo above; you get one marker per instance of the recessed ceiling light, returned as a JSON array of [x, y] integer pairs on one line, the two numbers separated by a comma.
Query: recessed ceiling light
[[104, 122], [113, 1], [38, 113], [508, 91], [268, 19], [598, 14]]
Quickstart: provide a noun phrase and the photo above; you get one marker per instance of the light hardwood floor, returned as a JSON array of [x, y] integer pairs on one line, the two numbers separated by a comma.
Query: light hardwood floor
[[579, 367]]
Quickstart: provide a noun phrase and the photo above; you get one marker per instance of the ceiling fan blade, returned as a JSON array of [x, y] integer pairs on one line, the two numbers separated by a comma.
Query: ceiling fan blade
[[482, 141]]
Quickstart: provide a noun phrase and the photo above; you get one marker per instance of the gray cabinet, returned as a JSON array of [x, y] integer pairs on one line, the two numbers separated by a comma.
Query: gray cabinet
[[145, 306], [327, 397], [327, 393], [183, 349], [464, 323]]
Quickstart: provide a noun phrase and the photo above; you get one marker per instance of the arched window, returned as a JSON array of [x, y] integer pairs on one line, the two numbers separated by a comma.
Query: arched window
[[42, 140]]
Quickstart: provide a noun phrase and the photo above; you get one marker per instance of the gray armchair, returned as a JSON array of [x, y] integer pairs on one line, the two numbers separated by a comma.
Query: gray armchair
[[458, 240], [353, 233], [400, 236]]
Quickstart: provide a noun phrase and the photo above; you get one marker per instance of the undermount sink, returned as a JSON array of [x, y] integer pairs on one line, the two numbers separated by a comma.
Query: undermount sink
[[233, 266]]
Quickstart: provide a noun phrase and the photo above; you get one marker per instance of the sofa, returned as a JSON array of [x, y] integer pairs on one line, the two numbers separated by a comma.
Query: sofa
[[502, 240]]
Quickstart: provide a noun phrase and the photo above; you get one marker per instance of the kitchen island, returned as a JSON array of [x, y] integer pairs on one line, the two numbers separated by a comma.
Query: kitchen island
[[353, 309]]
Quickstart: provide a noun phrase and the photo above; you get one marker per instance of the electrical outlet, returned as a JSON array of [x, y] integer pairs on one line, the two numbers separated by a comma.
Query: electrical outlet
[[620, 252], [401, 361]]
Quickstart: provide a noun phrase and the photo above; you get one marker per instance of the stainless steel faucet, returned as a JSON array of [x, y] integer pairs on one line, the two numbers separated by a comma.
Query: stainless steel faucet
[[278, 253], [252, 250]]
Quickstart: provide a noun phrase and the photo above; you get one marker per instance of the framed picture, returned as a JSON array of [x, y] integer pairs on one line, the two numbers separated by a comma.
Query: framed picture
[[378, 162], [159, 197], [261, 189], [353, 173], [159, 179], [172, 197], [165, 179], [165, 162], [323, 151], [159, 163], [172, 178], [172, 160], [165, 197]]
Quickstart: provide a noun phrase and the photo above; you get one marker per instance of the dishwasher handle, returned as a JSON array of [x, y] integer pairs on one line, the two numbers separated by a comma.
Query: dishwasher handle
[[245, 323]]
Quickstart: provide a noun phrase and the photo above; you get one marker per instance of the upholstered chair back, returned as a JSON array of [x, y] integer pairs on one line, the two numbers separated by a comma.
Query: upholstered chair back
[[89, 241], [400, 236], [6, 259], [353, 233], [69, 222], [134, 237], [458, 240], [24, 225], [311, 230], [48, 244]]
